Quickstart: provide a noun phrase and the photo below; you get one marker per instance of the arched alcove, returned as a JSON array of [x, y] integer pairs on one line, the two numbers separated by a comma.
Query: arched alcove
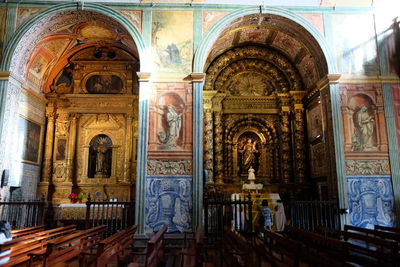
[[55, 57]]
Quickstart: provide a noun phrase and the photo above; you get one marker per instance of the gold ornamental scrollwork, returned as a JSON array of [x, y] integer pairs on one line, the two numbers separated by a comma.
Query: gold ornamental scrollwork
[[253, 52]]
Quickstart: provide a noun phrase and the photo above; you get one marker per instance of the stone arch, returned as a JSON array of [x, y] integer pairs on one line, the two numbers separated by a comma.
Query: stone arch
[[214, 32], [24, 30]]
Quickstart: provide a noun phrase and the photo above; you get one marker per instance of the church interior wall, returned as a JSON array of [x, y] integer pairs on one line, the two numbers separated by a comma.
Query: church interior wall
[[173, 37]]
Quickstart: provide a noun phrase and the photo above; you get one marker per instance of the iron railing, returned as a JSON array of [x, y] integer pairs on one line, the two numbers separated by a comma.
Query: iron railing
[[116, 215], [222, 211], [308, 215], [22, 214]]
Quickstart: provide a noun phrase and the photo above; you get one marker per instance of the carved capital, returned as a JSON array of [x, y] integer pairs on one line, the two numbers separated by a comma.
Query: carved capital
[[143, 76], [197, 77]]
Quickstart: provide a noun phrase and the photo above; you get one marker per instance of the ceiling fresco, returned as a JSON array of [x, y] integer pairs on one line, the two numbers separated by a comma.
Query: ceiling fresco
[[280, 34], [54, 39]]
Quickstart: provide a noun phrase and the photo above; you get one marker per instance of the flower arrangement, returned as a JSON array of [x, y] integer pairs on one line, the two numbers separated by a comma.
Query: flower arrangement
[[73, 197], [80, 197]]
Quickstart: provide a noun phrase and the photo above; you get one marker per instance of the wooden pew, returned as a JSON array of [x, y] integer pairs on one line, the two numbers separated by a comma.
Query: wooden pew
[[154, 253], [319, 250], [42, 235], [17, 250], [111, 248], [65, 248], [26, 231], [235, 249], [374, 233], [189, 256], [387, 229], [369, 250], [276, 249]]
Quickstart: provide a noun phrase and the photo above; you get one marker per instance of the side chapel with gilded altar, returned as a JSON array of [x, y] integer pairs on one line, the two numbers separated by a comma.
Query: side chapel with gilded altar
[[92, 110]]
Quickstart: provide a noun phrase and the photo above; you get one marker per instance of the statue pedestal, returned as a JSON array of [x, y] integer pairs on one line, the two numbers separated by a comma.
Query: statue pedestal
[[252, 186]]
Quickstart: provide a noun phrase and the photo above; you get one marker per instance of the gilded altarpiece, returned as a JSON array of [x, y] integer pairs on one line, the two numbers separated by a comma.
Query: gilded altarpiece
[[91, 133], [254, 117]]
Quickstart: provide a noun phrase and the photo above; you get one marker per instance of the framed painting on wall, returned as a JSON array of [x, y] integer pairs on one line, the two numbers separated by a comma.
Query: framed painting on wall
[[29, 140], [315, 123], [61, 148]]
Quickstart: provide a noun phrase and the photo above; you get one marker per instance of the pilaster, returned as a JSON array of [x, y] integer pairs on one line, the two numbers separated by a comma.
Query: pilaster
[[144, 89], [393, 146], [198, 81]]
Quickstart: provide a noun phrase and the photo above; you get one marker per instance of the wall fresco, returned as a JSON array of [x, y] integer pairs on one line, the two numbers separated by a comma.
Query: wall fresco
[[134, 16], [172, 41], [317, 20], [371, 201], [354, 41], [168, 201], [211, 17], [24, 14]]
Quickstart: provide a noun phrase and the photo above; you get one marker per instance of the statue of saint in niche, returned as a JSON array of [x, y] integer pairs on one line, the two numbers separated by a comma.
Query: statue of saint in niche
[[174, 123], [249, 156], [101, 160], [100, 157], [364, 128]]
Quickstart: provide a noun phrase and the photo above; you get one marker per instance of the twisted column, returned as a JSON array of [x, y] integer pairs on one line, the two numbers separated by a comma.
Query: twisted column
[[218, 160]]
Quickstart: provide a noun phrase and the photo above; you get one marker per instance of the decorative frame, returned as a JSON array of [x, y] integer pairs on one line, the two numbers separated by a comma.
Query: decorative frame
[[30, 138], [315, 123], [60, 149]]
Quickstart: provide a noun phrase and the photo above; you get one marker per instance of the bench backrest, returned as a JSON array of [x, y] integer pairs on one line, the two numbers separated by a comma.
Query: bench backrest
[[155, 247], [114, 245], [27, 231], [20, 242], [374, 233], [65, 248], [386, 228]]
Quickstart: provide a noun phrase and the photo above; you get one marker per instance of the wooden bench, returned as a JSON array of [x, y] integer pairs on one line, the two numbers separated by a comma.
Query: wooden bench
[[374, 233], [319, 250], [154, 253], [386, 229], [235, 250], [365, 249], [111, 247], [17, 251], [65, 248], [42, 235], [26, 231], [276, 249]]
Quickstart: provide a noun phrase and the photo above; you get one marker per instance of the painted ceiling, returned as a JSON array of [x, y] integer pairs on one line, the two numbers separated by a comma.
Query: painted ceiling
[[280, 34], [54, 39]]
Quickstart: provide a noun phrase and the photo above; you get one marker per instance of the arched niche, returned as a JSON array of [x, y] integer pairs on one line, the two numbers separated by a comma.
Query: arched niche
[[100, 157], [264, 145], [363, 117], [170, 120]]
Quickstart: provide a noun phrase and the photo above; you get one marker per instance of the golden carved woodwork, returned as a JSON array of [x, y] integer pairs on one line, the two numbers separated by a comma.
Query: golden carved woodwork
[[258, 59], [78, 116], [254, 93]]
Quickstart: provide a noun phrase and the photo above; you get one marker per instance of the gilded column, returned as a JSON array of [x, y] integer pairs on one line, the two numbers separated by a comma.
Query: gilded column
[[218, 160], [128, 147], [49, 144], [71, 148], [208, 135], [299, 138], [286, 161]]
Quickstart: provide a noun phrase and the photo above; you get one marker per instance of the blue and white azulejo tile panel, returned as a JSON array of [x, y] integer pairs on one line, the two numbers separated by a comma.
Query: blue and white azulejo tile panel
[[168, 201], [371, 201]]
